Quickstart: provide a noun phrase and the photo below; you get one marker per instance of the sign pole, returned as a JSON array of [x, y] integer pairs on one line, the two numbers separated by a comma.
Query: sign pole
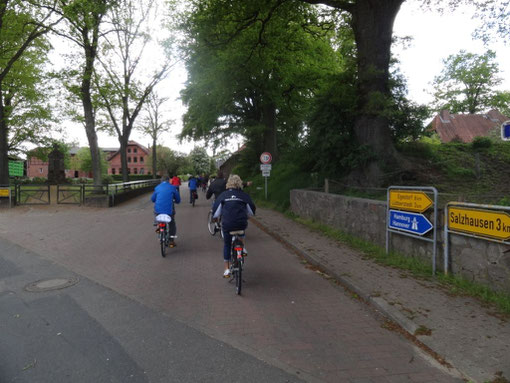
[[265, 181]]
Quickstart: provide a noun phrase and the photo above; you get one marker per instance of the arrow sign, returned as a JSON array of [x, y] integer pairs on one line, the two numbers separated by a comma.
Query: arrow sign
[[416, 201], [410, 222]]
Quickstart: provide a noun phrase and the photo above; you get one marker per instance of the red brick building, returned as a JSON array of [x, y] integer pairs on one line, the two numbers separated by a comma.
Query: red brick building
[[136, 160], [136, 155]]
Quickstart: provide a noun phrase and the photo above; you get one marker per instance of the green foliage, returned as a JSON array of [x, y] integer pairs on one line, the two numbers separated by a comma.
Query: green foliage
[[83, 161], [481, 143], [168, 161], [467, 82], [200, 161]]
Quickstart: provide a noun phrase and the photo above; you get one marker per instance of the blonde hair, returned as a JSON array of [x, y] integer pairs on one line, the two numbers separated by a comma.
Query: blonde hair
[[234, 182]]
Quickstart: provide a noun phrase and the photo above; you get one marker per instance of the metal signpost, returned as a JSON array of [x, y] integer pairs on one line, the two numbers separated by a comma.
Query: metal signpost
[[265, 167], [6, 192], [487, 222], [505, 131], [404, 207]]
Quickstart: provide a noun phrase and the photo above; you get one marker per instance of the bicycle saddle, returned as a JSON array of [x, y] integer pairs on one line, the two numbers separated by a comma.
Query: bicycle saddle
[[238, 232]]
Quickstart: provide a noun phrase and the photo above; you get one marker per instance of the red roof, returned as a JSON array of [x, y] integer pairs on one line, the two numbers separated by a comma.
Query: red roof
[[465, 127]]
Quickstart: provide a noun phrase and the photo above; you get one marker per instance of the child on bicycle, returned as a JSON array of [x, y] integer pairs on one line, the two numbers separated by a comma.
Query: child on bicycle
[[234, 206]]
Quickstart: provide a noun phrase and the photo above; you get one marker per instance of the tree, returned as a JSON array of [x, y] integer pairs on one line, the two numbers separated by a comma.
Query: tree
[[467, 83], [154, 126], [200, 160], [241, 81], [122, 93], [372, 25], [168, 161], [84, 20], [22, 25], [83, 161]]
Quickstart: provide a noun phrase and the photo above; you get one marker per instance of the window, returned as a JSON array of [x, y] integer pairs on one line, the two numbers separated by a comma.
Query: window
[[129, 170], [135, 159], [113, 170], [129, 159], [142, 171], [136, 170], [129, 150], [120, 170], [135, 150], [141, 159], [40, 170]]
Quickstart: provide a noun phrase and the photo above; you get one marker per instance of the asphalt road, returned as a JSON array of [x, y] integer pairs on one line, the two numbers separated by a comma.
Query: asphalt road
[[135, 316]]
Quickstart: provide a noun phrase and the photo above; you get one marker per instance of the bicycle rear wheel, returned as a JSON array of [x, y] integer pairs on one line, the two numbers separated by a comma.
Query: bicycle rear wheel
[[162, 242], [239, 277], [211, 226]]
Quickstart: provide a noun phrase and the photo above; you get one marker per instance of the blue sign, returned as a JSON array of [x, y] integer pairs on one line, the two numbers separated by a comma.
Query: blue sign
[[505, 131], [411, 222]]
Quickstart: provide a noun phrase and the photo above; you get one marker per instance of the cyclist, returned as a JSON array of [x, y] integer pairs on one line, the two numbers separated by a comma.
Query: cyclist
[[217, 186], [176, 181], [164, 197], [234, 206], [192, 185]]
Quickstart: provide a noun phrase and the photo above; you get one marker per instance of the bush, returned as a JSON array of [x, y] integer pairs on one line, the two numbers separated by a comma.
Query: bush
[[481, 143]]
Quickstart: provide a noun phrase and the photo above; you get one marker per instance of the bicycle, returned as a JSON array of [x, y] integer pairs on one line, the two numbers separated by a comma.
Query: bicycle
[[164, 236], [214, 226], [194, 197], [237, 255]]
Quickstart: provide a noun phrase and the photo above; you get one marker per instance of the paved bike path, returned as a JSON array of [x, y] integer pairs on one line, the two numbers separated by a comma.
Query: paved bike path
[[289, 316]]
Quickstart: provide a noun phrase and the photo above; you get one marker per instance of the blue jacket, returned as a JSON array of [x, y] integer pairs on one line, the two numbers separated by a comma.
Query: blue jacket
[[234, 206], [163, 197], [192, 183]]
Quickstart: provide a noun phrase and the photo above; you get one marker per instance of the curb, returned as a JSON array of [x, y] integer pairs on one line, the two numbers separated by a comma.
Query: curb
[[379, 304]]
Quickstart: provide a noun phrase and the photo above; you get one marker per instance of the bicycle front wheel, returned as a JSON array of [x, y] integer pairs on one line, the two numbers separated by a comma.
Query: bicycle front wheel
[[210, 224]]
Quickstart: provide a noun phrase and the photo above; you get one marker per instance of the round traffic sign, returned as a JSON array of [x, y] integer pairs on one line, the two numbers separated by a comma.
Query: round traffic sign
[[266, 158]]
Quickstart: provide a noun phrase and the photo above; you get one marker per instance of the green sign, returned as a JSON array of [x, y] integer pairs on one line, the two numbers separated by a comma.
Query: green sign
[[15, 169]]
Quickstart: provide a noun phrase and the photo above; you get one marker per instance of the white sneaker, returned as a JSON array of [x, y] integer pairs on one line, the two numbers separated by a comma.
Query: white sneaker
[[226, 273]]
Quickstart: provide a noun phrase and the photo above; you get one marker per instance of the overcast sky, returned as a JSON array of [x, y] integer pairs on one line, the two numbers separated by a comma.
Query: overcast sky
[[435, 37]]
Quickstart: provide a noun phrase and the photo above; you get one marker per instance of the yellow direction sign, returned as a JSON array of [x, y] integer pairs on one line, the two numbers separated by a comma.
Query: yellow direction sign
[[4, 192], [487, 223], [410, 200]]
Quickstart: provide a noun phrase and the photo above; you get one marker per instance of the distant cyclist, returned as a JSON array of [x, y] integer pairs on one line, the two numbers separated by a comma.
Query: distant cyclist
[[176, 181], [192, 186], [217, 186], [234, 206], [164, 197]]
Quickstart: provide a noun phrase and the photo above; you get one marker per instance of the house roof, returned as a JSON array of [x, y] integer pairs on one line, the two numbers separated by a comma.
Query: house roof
[[130, 143], [465, 127]]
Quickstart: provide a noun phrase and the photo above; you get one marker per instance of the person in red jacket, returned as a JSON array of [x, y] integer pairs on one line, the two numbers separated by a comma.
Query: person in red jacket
[[176, 181]]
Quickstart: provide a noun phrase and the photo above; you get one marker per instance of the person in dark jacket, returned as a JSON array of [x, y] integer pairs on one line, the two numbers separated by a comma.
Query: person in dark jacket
[[164, 197], [218, 186], [234, 206]]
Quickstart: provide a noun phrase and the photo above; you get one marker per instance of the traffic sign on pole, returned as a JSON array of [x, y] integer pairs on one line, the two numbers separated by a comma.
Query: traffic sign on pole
[[410, 200], [265, 167], [266, 173], [486, 223], [266, 158], [410, 222], [505, 131]]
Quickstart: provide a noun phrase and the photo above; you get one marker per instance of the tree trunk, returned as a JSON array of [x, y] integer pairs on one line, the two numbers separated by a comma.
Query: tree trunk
[[88, 111], [269, 121], [123, 159], [4, 157], [372, 23], [154, 159]]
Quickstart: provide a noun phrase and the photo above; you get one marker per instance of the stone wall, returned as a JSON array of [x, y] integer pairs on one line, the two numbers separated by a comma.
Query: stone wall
[[475, 259]]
